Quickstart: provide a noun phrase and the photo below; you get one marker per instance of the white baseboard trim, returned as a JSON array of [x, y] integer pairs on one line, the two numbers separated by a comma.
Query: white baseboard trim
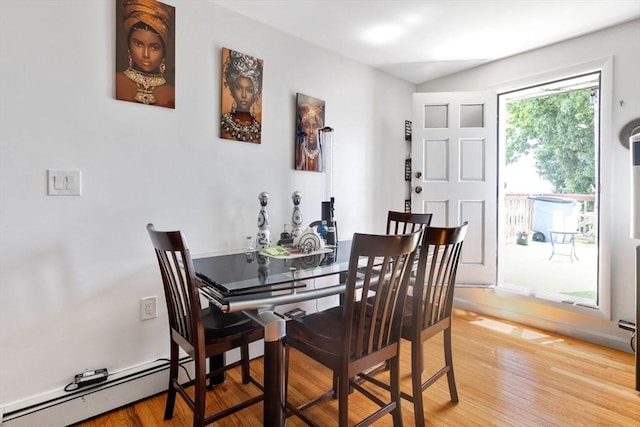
[[60, 408]]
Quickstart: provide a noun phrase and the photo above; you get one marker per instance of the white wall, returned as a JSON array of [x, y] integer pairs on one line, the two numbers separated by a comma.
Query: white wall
[[73, 269], [623, 44]]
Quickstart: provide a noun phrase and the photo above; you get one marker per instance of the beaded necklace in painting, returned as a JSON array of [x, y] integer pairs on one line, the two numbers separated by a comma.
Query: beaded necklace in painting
[[250, 132], [311, 154], [145, 84]]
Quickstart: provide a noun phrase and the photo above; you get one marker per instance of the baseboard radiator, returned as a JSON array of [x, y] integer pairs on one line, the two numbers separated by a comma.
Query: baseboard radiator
[[60, 408]]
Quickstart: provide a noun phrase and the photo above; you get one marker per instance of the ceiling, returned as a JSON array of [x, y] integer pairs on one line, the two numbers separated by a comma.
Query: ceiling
[[420, 40]]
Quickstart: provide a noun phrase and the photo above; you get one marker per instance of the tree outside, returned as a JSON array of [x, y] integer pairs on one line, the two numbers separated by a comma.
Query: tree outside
[[558, 132]]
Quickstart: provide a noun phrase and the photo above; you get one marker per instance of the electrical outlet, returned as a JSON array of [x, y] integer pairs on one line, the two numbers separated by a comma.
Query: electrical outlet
[[148, 308]]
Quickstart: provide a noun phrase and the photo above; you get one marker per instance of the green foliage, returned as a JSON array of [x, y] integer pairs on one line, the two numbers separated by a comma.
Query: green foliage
[[558, 131]]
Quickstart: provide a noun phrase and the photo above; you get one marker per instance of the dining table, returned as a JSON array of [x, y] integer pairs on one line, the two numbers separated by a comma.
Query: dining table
[[256, 282]]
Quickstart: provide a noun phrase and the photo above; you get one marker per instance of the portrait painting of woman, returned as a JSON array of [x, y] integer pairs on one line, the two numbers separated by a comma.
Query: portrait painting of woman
[[309, 121], [145, 52], [240, 103]]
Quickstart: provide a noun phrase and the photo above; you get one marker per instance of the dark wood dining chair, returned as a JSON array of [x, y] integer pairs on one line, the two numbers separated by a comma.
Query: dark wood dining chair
[[427, 312], [402, 223], [407, 222], [348, 341], [203, 333]]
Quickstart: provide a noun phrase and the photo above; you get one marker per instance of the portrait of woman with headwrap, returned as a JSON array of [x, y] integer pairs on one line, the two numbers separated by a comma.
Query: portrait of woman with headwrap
[[240, 97], [309, 121], [146, 44]]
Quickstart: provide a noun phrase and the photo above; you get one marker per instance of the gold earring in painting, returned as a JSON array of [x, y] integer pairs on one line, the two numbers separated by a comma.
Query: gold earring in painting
[[162, 67]]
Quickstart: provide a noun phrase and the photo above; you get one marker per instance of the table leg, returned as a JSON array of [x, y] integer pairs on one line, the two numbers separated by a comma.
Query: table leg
[[573, 247], [215, 362], [274, 367], [274, 392], [566, 239]]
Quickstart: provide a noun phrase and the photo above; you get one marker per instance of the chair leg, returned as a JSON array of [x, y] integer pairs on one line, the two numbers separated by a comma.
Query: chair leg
[[199, 397], [343, 401], [448, 358], [394, 372], [286, 373], [173, 375], [417, 368], [244, 355]]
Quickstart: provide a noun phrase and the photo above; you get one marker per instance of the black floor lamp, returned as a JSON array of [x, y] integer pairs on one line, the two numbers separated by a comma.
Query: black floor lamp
[[634, 148], [630, 134]]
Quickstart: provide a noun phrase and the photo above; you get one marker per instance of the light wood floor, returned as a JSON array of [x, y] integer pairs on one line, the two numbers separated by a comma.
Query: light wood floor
[[507, 375]]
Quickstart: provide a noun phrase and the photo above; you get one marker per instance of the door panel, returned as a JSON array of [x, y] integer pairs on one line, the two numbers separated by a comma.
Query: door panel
[[454, 158], [436, 164], [473, 211], [439, 209]]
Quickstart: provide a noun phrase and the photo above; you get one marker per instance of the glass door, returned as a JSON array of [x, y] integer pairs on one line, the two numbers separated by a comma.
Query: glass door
[[549, 147]]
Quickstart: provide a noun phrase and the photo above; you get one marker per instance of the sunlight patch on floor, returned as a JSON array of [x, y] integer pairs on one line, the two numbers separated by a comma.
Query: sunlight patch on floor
[[509, 329]]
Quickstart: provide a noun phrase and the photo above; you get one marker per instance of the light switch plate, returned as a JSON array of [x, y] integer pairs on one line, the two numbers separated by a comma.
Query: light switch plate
[[63, 182]]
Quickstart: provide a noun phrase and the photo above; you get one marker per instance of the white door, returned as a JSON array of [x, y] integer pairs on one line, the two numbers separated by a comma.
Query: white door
[[454, 173]]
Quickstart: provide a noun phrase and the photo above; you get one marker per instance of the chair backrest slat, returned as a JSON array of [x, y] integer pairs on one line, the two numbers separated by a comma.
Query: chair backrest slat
[[383, 263], [407, 222], [435, 279], [178, 279]]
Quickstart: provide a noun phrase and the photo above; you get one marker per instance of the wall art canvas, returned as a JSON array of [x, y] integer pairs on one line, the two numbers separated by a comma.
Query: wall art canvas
[[145, 52], [240, 99], [309, 120]]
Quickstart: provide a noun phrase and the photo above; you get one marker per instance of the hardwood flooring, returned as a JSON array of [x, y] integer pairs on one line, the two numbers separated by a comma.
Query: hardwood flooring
[[507, 375]]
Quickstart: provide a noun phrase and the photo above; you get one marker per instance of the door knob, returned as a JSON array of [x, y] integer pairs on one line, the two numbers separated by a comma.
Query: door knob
[[418, 189], [418, 174]]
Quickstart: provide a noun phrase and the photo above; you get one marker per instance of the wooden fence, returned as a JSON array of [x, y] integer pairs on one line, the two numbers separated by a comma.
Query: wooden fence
[[519, 213]]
